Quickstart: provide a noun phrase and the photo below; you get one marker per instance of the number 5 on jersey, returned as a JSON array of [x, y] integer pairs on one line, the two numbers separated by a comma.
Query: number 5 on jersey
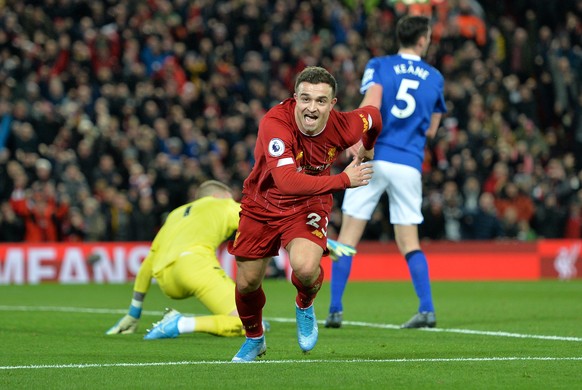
[[406, 97]]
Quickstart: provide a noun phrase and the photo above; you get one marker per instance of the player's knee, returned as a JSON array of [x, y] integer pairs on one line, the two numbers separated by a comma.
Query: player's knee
[[307, 274], [244, 287]]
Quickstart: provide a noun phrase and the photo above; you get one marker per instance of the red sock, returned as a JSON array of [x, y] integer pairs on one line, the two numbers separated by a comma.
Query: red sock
[[250, 310], [306, 294]]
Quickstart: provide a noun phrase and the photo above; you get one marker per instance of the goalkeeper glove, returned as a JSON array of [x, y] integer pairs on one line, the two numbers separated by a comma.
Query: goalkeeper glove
[[337, 249], [126, 325]]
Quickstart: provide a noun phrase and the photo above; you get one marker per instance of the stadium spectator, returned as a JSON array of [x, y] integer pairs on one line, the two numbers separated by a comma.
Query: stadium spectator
[[510, 223], [433, 226], [86, 160], [94, 221], [497, 179], [471, 193], [172, 180], [525, 232], [470, 25], [12, 227], [483, 224], [73, 184], [452, 210], [107, 172], [144, 221], [41, 211], [550, 217], [118, 217], [573, 228], [25, 140], [73, 228], [512, 197], [57, 78]]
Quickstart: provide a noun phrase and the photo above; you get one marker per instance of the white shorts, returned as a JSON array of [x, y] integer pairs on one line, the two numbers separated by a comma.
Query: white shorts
[[402, 183]]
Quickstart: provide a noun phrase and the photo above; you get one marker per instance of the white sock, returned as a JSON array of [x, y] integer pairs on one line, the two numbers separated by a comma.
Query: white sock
[[186, 325]]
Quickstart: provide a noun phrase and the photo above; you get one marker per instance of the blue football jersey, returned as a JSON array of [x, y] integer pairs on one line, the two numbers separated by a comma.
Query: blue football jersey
[[412, 92]]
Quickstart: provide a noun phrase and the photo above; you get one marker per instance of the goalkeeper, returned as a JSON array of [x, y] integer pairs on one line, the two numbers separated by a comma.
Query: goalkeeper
[[183, 260]]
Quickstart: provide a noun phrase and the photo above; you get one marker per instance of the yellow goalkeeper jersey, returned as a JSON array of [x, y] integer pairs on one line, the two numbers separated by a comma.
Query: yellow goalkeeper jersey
[[206, 222]]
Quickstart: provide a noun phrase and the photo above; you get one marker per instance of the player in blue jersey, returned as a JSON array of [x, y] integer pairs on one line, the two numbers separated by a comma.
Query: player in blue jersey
[[409, 93]]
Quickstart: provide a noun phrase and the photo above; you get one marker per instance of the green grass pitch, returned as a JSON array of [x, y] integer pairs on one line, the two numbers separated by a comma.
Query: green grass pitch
[[506, 335]]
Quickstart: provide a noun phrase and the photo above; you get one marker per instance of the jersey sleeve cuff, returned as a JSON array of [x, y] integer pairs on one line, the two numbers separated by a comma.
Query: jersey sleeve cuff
[[345, 180]]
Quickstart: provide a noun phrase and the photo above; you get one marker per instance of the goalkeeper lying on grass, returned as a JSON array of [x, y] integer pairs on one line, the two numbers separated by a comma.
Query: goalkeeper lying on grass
[[183, 260]]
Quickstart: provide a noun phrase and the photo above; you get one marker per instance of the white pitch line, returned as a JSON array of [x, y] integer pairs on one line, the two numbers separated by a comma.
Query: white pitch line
[[288, 320], [287, 361], [61, 309], [449, 330], [503, 334]]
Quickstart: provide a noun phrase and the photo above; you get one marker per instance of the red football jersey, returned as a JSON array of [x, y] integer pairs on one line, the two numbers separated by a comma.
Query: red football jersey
[[292, 169]]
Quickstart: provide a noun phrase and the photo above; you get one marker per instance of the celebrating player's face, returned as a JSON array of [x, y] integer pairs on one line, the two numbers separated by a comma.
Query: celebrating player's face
[[314, 103]]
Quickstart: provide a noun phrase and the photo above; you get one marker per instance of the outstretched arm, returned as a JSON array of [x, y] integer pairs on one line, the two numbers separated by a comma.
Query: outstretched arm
[[128, 323]]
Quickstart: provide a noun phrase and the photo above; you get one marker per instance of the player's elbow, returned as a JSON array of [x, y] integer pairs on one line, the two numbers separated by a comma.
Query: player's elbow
[[288, 187]]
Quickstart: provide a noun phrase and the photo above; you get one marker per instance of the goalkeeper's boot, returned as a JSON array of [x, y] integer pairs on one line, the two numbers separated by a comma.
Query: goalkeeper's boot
[[167, 328], [334, 320], [423, 319], [306, 328], [251, 349]]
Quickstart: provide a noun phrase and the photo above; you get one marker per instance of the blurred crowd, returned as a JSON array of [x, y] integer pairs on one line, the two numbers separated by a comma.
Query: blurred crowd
[[113, 112]]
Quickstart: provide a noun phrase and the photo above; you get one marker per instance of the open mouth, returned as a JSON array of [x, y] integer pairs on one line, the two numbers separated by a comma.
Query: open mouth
[[310, 119]]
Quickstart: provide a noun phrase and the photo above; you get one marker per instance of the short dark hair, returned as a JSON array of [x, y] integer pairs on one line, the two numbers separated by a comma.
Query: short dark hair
[[410, 28], [316, 75]]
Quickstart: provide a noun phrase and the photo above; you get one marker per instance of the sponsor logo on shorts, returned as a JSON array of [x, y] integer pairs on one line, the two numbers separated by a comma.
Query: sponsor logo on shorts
[[317, 233], [315, 220]]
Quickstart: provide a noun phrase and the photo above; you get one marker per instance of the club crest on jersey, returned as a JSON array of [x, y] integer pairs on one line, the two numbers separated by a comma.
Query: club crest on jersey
[[331, 155], [276, 147]]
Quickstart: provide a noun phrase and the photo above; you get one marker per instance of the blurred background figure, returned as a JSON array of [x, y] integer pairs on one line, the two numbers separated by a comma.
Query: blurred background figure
[[42, 212], [11, 225], [483, 224]]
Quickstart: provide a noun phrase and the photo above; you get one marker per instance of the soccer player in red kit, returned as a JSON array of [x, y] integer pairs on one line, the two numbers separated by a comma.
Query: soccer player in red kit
[[288, 196]]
